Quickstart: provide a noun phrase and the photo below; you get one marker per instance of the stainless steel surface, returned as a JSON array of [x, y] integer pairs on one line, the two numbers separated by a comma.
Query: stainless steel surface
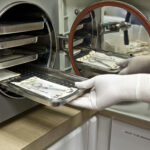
[[16, 41], [16, 60], [9, 28]]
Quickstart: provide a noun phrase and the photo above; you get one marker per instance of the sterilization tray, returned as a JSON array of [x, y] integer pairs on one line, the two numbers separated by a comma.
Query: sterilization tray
[[16, 59], [15, 27], [44, 74], [15, 41]]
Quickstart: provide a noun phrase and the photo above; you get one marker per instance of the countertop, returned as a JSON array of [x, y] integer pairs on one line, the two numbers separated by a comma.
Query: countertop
[[135, 113], [42, 126]]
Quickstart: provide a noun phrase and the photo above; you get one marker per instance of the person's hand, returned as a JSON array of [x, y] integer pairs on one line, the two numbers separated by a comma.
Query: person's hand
[[139, 64], [106, 90]]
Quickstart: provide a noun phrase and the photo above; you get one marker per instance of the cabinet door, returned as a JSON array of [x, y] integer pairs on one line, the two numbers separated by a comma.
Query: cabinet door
[[76, 140], [128, 137], [104, 131], [92, 140]]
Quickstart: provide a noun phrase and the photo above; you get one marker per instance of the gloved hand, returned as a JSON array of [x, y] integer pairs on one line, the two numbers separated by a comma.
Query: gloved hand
[[106, 90], [139, 64]]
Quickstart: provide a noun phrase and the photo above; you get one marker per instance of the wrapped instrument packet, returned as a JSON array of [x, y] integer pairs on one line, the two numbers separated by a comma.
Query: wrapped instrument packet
[[45, 88]]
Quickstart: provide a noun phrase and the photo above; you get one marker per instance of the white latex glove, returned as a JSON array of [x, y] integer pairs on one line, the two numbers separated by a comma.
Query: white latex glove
[[106, 90], [139, 64]]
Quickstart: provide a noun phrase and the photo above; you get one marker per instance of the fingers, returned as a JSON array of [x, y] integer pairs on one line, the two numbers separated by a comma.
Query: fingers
[[123, 64], [82, 102], [88, 101], [87, 84], [124, 71]]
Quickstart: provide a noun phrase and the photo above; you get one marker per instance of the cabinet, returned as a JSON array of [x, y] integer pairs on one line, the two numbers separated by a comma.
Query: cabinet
[[92, 133], [103, 133], [128, 137], [82, 138], [76, 140]]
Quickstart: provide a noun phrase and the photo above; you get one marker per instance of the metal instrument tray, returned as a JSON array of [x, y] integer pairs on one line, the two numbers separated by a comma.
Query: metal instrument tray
[[99, 61], [15, 41], [46, 74], [15, 27], [97, 69], [16, 59]]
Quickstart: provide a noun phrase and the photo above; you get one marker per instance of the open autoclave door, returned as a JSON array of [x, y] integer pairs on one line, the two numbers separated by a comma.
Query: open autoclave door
[[105, 34]]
